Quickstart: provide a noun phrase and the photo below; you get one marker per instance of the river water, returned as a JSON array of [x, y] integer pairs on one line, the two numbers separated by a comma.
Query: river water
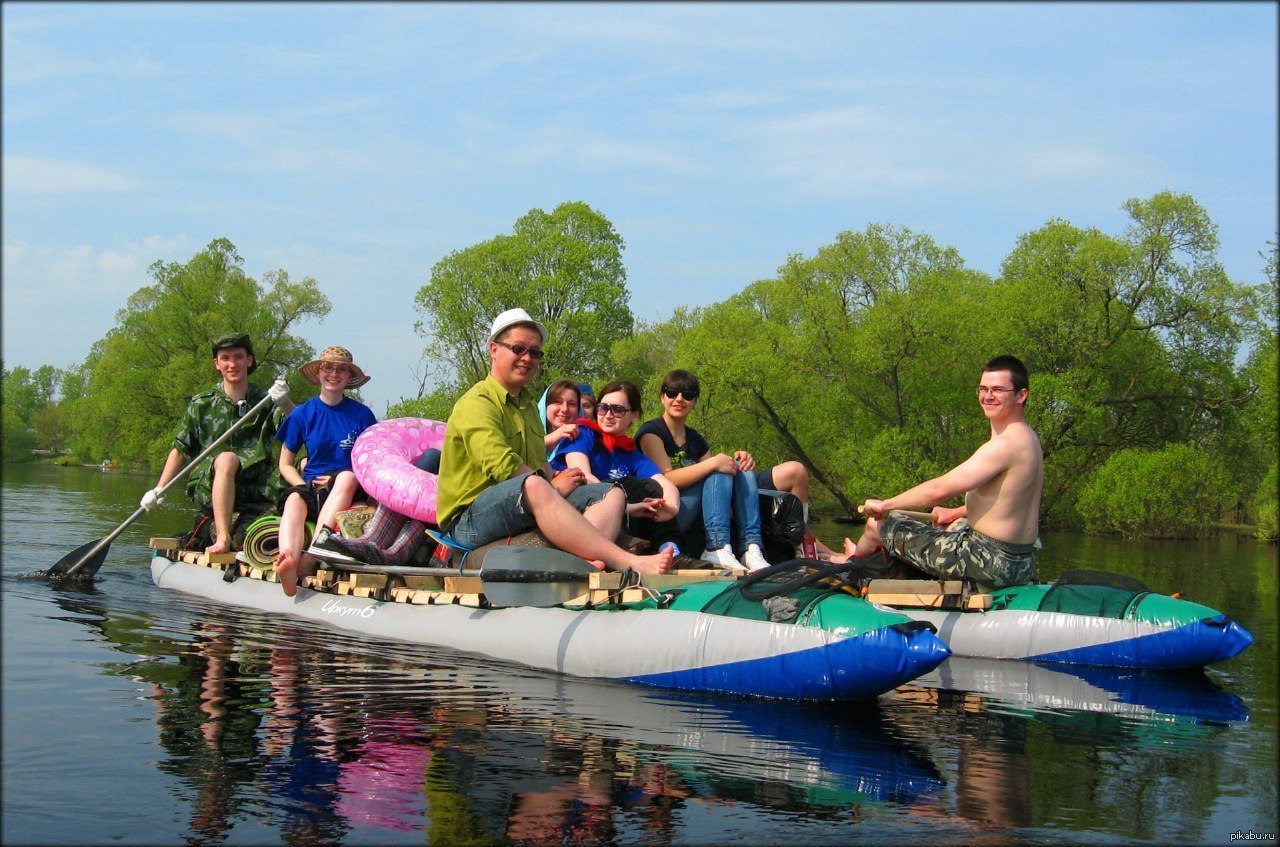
[[133, 715]]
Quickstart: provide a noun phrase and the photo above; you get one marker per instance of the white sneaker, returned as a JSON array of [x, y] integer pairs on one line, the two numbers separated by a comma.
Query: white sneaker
[[754, 559], [722, 558]]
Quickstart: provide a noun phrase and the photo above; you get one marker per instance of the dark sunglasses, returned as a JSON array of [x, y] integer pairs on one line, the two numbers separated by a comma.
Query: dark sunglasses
[[611, 409], [673, 393], [520, 350]]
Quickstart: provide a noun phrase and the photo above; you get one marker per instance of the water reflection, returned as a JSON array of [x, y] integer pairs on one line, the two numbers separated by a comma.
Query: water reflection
[[260, 722]]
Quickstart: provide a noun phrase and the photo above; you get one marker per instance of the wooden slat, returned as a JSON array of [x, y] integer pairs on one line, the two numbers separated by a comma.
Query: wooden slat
[[463, 585], [928, 601], [914, 586], [368, 580], [163, 544], [472, 600], [603, 579], [428, 582], [976, 602], [661, 582]]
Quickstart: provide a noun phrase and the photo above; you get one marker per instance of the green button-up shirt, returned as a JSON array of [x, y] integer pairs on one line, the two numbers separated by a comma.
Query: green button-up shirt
[[488, 436], [208, 416]]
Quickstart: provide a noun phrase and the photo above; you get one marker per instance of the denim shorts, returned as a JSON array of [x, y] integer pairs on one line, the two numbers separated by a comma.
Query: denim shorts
[[958, 552], [499, 511]]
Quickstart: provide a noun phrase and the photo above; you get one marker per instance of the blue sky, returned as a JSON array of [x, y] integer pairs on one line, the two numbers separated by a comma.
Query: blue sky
[[361, 143]]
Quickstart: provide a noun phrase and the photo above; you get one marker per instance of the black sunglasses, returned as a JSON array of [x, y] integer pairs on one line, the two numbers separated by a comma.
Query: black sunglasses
[[520, 350], [673, 393], [611, 409]]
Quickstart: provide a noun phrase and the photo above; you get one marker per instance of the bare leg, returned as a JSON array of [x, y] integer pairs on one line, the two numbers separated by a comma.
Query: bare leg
[[605, 515], [293, 524], [292, 529], [794, 477], [225, 466], [341, 490], [870, 540], [567, 529]]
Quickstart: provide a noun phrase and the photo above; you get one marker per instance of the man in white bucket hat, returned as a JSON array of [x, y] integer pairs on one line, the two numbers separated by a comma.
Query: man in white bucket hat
[[494, 477]]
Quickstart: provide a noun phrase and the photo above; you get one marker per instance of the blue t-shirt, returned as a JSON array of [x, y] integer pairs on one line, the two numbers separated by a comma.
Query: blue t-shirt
[[605, 465], [328, 431]]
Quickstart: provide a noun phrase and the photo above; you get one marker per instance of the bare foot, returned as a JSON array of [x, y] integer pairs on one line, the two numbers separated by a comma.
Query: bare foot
[[287, 570], [220, 544], [659, 562]]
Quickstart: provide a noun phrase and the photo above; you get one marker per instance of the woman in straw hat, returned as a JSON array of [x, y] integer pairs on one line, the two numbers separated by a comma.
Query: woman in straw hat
[[327, 425]]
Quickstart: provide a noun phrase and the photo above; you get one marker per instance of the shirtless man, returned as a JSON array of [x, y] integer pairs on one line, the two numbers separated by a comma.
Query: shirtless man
[[991, 538], [494, 477]]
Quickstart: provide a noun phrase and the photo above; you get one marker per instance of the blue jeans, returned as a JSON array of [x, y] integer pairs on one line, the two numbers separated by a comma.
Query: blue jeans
[[499, 511], [718, 497]]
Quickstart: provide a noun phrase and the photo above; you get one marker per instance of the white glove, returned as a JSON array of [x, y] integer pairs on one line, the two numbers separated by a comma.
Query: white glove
[[152, 498], [278, 392]]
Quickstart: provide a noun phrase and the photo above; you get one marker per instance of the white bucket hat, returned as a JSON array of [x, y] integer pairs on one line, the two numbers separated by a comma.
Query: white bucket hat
[[510, 318]]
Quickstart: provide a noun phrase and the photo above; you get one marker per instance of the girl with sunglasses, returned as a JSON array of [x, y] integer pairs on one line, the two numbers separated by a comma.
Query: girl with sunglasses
[[718, 487], [604, 453]]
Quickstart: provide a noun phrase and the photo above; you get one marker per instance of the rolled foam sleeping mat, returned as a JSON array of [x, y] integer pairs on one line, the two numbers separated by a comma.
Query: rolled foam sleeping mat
[[262, 541]]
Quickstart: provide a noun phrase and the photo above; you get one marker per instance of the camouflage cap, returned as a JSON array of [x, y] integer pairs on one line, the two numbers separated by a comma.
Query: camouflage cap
[[237, 339]]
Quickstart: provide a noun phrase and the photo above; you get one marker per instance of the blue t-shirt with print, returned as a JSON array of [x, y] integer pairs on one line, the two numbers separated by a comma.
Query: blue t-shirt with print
[[606, 465], [328, 431]]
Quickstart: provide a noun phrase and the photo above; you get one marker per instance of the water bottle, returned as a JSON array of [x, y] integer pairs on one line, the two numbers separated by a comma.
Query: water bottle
[[672, 546]]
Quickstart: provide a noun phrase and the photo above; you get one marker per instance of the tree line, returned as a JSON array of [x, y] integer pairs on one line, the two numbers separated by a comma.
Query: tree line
[[1153, 373]]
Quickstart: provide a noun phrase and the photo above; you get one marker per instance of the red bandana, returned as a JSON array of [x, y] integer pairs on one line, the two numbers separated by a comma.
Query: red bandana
[[610, 441]]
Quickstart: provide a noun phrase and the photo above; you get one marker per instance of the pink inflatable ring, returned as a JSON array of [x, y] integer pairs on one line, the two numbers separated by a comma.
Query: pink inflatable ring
[[383, 457]]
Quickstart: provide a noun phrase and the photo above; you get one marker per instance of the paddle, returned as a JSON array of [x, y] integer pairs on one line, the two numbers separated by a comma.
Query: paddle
[[923, 517], [87, 558], [510, 576]]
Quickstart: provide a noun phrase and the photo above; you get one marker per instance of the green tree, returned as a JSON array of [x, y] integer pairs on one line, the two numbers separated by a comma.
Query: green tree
[[141, 375], [859, 361], [30, 410], [564, 267], [1259, 418], [1131, 340], [1175, 492]]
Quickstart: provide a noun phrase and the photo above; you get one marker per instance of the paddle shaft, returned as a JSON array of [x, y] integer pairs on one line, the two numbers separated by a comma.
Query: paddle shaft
[[923, 517], [204, 454]]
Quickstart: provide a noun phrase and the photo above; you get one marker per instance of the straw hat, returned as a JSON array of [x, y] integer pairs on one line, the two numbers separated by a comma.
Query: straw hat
[[338, 356]]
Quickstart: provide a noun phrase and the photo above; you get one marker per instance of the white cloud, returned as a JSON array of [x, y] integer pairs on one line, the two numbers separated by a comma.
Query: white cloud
[[37, 175]]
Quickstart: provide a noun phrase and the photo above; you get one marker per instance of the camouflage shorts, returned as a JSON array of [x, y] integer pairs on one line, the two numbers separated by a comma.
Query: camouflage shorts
[[957, 552]]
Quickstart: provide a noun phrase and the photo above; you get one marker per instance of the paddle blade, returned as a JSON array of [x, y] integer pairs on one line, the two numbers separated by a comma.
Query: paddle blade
[[85, 559], [533, 576]]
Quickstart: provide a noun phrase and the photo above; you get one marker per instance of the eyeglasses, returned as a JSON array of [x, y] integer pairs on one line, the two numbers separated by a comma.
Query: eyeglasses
[[673, 393], [335, 369], [983, 391], [520, 350], [611, 409]]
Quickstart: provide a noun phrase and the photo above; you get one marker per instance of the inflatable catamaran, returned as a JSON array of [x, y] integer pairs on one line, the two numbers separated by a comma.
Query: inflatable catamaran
[[799, 630], [826, 644]]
